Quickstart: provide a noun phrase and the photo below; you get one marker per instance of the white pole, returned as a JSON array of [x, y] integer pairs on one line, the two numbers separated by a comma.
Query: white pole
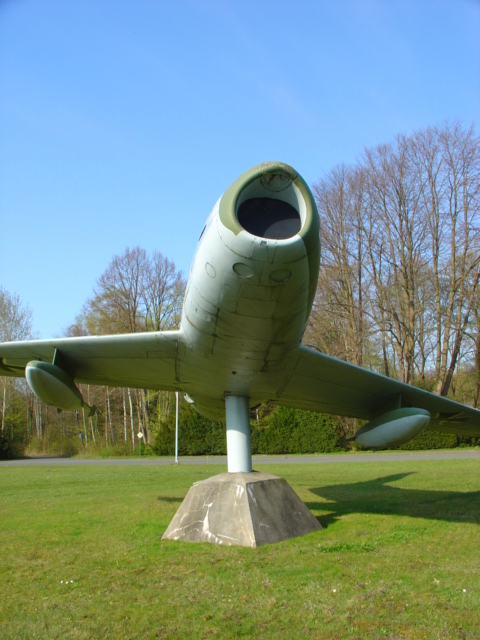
[[176, 428], [239, 451]]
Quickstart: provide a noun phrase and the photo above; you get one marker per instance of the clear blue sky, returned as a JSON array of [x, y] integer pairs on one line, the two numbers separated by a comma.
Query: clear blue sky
[[123, 121]]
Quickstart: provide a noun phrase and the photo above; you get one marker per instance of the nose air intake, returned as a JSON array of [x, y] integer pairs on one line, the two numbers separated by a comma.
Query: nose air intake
[[269, 205], [268, 218]]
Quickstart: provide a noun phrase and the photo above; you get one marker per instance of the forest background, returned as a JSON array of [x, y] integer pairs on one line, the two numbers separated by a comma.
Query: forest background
[[398, 293]]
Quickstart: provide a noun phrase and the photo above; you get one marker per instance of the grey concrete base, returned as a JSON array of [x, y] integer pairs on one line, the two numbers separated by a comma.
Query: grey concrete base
[[246, 509]]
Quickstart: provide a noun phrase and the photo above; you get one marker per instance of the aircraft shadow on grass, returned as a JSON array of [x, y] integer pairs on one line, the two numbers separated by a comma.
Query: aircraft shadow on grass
[[379, 497], [169, 499]]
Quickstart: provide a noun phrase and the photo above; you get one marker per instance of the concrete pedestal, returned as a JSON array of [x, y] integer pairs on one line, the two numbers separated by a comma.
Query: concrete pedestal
[[246, 509]]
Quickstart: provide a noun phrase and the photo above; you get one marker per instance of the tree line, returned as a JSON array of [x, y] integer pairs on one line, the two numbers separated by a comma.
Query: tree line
[[398, 292]]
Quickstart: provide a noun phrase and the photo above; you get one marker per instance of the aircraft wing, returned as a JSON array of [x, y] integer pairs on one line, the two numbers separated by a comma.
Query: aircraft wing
[[141, 360], [318, 382], [322, 383]]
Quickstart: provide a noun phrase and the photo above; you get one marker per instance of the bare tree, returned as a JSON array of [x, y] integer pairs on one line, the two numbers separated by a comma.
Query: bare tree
[[162, 294], [448, 163], [338, 323], [15, 317], [116, 306], [400, 271], [135, 293], [15, 324], [396, 249]]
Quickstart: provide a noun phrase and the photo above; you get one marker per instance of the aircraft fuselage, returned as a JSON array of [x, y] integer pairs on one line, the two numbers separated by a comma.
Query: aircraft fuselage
[[250, 290]]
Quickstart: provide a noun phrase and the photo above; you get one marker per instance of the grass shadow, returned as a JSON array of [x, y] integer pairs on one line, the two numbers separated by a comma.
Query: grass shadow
[[378, 496]]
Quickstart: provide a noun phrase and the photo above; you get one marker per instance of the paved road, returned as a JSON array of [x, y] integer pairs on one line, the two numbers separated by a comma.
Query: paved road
[[458, 454]]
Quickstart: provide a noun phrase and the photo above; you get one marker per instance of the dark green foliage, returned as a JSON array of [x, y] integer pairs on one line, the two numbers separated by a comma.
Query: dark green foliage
[[200, 436], [319, 432], [13, 438], [468, 441], [431, 440], [286, 431], [197, 435], [277, 437], [297, 431], [437, 440], [164, 442]]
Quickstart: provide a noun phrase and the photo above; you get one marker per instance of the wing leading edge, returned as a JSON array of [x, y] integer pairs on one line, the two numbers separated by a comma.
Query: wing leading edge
[[318, 382], [141, 360], [322, 383]]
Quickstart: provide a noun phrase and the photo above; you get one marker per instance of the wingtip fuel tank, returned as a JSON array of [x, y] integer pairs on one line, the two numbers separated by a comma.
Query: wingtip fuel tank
[[53, 386], [392, 428]]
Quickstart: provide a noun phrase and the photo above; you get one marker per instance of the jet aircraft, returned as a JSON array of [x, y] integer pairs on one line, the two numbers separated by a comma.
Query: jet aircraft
[[249, 295]]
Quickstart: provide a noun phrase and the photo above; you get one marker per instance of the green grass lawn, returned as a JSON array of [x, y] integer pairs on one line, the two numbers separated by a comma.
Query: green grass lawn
[[81, 556]]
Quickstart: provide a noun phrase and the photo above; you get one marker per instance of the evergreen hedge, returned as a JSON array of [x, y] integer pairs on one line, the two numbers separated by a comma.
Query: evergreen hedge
[[287, 431], [284, 431], [197, 435], [437, 440], [297, 431]]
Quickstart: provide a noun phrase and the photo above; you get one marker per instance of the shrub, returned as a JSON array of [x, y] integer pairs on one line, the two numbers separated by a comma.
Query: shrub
[[14, 437], [427, 439], [277, 437], [197, 435], [298, 431], [319, 433]]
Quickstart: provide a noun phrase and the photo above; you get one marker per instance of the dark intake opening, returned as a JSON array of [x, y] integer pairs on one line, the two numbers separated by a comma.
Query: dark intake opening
[[268, 218]]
